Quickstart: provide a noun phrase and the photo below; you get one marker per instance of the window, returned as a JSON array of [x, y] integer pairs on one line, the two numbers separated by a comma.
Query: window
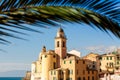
[[83, 62], [111, 58], [57, 43], [45, 56], [79, 78], [107, 58], [70, 71], [64, 62], [54, 65], [107, 64], [69, 78], [92, 77], [118, 58], [111, 64], [70, 62], [53, 56], [51, 72], [117, 62], [83, 78], [63, 44], [88, 78], [77, 61], [100, 58], [92, 72]]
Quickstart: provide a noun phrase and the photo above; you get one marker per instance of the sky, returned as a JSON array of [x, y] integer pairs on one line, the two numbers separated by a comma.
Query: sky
[[20, 54]]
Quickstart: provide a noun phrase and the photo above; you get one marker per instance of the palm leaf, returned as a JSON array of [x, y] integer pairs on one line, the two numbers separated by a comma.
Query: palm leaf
[[102, 14]]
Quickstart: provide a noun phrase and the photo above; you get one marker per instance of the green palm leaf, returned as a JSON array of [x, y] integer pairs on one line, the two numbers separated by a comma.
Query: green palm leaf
[[102, 14]]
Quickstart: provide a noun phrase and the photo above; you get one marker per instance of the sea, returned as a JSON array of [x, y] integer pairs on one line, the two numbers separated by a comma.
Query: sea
[[11, 78]]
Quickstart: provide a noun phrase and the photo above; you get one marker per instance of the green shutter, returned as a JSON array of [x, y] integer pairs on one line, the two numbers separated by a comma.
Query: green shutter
[[107, 58], [45, 56], [111, 58], [117, 62], [64, 62], [51, 72], [70, 62]]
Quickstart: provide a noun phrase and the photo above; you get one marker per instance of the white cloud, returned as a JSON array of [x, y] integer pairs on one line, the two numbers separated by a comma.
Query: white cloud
[[101, 49], [4, 67]]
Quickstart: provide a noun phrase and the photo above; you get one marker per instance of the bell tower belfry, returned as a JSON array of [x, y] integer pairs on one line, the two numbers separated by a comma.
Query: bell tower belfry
[[60, 44]]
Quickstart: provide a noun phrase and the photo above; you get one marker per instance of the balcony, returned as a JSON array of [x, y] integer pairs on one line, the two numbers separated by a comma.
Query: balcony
[[109, 66]]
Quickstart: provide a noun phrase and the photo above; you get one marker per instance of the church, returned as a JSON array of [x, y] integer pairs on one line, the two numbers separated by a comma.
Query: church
[[59, 65]]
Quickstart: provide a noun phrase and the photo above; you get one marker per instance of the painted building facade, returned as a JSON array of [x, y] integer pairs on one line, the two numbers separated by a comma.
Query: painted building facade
[[93, 57], [59, 65], [106, 62]]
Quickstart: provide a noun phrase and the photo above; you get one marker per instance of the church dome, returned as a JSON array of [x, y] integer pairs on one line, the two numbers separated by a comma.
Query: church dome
[[60, 30], [60, 33]]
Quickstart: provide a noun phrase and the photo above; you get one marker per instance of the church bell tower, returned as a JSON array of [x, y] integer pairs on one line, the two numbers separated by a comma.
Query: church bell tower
[[60, 44]]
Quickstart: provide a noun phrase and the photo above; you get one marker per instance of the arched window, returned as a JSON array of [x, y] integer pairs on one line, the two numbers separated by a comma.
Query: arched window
[[57, 43], [53, 56], [63, 44], [54, 65]]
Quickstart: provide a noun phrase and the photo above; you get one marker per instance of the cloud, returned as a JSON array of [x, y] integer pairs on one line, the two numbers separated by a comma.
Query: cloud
[[101, 49], [4, 67]]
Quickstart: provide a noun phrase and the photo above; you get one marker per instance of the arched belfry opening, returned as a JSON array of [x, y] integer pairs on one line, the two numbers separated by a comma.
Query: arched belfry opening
[[58, 43]]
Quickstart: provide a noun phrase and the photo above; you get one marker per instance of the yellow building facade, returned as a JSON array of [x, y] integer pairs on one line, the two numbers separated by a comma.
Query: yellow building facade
[[93, 57], [106, 62], [59, 65]]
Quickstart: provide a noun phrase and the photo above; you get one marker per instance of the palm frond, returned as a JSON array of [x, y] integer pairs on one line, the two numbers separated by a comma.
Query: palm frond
[[103, 14]]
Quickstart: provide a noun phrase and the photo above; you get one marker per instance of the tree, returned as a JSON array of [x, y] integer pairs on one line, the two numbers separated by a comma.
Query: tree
[[103, 14]]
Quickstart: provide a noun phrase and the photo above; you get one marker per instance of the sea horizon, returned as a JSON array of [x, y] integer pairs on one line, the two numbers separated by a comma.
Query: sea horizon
[[11, 78]]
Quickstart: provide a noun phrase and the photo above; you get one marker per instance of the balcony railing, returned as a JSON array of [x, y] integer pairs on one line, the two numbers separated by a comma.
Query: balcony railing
[[108, 66]]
